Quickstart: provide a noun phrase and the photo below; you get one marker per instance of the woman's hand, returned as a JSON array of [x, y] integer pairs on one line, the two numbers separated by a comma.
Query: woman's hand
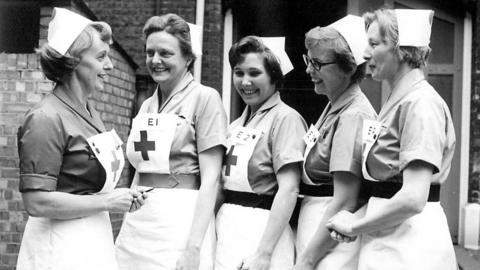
[[138, 201], [189, 260], [340, 226], [258, 261], [122, 200]]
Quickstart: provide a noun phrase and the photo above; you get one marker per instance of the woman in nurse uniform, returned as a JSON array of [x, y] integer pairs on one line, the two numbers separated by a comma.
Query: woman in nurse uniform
[[176, 146], [332, 168], [262, 166], [407, 153], [69, 163]]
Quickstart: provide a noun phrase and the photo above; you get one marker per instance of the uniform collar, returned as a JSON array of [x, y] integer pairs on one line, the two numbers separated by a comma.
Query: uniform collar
[[67, 97], [154, 103], [272, 101], [346, 98], [404, 86]]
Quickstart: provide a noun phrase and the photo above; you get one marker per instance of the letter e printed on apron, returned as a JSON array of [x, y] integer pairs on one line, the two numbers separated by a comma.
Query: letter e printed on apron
[[107, 148], [371, 130], [310, 139], [150, 141], [240, 146]]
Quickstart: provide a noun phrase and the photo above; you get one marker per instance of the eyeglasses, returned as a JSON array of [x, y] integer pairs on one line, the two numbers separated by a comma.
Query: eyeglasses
[[317, 65]]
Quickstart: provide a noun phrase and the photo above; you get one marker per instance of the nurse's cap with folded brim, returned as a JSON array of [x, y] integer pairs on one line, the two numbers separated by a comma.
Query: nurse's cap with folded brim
[[414, 27], [64, 28], [196, 38], [352, 29], [277, 46]]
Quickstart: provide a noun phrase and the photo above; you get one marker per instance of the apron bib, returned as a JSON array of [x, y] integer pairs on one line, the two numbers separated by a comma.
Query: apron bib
[[150, 141], [310, 139], [240, 146], [80, 243], [371, 130]]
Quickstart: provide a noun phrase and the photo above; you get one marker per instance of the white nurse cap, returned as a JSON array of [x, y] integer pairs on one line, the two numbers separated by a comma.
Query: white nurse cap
[[277, 46], [196, 38], [352, 29], [64, 28], [414, 26]]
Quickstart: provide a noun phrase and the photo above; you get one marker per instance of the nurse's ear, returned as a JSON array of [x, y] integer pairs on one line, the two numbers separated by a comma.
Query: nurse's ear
[[347, 64]]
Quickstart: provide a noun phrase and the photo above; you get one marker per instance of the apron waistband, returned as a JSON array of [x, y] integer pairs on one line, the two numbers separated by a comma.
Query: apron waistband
[[248, 199], [183, 181], [387, 190], [325, 190]]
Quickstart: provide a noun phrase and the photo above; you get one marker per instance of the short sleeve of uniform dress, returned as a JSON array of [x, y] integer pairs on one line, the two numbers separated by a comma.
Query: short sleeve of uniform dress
[[423, 126], [40, 147], [210, 122], [287, 145]]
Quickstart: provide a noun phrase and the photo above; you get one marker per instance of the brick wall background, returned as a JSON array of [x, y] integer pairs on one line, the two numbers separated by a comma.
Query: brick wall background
[[474, 175], [23, 84]]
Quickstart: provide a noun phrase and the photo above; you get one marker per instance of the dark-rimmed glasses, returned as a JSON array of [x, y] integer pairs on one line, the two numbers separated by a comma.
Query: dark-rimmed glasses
[[317, 65]]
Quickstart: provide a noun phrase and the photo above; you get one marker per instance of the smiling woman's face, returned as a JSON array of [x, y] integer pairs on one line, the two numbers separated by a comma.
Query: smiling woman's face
[[252, 81], [380, 56], [94, 63], [165, 61]]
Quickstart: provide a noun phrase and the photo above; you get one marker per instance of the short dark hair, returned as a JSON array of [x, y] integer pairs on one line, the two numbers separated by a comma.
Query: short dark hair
[[253, 44], [331, 39], [415, 57], [175, 26], [56, 66]]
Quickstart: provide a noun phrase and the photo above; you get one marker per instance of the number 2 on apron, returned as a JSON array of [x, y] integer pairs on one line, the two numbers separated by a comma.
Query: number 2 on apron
[[240, 146]]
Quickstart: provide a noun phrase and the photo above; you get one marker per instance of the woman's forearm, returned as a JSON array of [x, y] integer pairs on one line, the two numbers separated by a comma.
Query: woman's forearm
[[203, 213], [282, 208], [210, 167], [407, 202], [280, 213], [346, 188], [60, 205]]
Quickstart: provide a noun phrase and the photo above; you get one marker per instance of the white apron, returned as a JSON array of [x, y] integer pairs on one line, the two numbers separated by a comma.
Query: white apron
[[81, 243], [155, 236], [344, 255], [240, 228], [420, 242]]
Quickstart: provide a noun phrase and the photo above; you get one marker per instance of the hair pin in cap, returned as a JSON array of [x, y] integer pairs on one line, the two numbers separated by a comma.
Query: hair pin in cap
[[352, 29], [196, 38], [414, 26], [277, 46], [64, 28]]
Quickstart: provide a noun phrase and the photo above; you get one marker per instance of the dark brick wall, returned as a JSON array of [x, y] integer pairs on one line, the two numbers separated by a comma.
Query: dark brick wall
[[23, 84], [474, 175]]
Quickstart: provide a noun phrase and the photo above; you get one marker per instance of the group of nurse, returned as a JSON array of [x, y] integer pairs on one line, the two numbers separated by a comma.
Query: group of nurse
[[370, 184]]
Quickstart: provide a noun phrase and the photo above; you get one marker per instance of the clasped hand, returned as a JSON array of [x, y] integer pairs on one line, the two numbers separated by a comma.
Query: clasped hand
[[340, 227]]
